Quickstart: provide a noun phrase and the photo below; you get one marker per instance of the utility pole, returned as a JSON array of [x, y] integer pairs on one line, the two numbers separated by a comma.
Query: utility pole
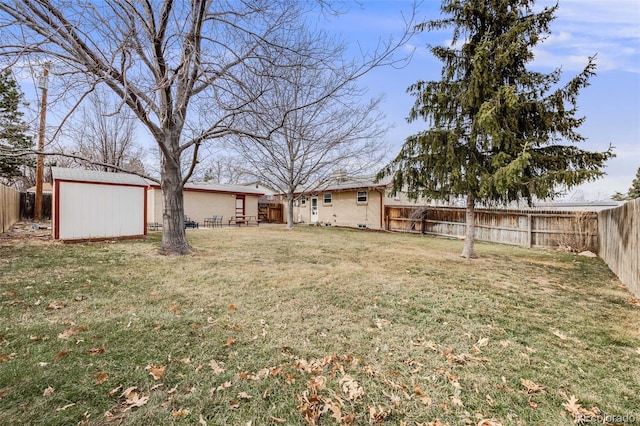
[[43, 83]]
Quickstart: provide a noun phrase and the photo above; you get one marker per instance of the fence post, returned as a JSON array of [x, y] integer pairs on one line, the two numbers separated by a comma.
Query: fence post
[[529, 230]]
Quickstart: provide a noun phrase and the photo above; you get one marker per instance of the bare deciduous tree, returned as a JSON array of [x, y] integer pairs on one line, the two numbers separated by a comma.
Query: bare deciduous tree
[[226, 169], [106, 137], [336, 132], [191, 71]]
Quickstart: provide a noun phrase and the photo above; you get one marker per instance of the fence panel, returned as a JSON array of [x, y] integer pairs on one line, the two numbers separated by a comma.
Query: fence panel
[[529, 228], [9, 208], [619, 242]]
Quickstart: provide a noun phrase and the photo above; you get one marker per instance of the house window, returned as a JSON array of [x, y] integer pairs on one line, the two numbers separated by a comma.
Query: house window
[[303, 201], [327, 198], [362, 197]]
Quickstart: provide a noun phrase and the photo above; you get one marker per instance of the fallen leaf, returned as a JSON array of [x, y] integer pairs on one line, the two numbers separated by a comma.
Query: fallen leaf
[[377, 414], [216, 367], [61, 355], [156, 371], [179, 413], [113, 392], [154, 293], [65, 407], [489, 422], [101, 377], [97, 351], [55, 305], [381, 323], [244, 395], [174, 309], [351, 388], [560, 334], [4, 393], [48, 391], [290, 379], [531, 386], [6, 358], [230, 341], [201, 421], [317, 383], [277, 420], [234, 405], [232, 307], [133, 398], [395, 399], [309, 407], [336, 410], [223, 386], [572, 406], [426, 400], [490, 401], [71, 332], [455, 400], [435, 422]]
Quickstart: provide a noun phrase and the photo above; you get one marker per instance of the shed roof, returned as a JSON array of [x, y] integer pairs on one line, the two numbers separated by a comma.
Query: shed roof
[[80, 175]]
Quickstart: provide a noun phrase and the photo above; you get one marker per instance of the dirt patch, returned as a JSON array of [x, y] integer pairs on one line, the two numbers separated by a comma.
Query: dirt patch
[[28, 230]]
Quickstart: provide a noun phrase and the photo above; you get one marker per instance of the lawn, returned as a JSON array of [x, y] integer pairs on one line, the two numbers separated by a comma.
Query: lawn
[[264, 326]]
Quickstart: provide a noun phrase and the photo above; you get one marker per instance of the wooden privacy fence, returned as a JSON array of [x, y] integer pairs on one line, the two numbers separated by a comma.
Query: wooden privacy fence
[[9, 207], [529, 228], [619, 242]]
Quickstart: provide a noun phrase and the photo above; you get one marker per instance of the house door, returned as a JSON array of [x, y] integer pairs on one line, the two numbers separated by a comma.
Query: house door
[[314, 210], [239, 205]]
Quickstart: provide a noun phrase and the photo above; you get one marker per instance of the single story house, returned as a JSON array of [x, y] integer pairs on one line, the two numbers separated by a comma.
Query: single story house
[[355, 203], [92, 205], [204, 200]]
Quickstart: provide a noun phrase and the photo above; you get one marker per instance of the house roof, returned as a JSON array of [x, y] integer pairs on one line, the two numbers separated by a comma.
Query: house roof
[[46, 187], [216, 188], [219, 187], [349, 185], [80, 175]]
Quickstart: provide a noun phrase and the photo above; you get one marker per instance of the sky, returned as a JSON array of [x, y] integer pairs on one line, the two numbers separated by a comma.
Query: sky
[[582, 28], [611, 104]]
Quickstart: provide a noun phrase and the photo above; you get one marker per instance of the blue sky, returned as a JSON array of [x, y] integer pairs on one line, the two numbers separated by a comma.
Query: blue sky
[[611, 105], [610, 29]]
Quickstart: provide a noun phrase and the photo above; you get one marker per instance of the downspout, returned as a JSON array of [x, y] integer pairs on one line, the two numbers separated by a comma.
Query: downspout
[[381, 192], [56, 209]]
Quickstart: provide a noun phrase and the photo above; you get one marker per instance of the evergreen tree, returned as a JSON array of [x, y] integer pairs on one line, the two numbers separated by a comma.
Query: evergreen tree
[[497, 129], [14, 140], [634, 191]]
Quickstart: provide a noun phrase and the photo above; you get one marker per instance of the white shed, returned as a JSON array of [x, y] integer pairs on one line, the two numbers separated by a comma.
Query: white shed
[[91, 205]]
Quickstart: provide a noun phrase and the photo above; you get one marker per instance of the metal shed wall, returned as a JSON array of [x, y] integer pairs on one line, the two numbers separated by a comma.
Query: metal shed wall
[[93, 210]]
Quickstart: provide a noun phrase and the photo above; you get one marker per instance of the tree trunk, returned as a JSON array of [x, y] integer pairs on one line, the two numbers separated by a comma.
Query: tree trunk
[[470, 235], [290, 198], [174, 237]]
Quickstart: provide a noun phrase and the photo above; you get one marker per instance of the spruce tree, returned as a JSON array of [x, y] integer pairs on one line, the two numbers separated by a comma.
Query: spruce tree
[[14, 140], [498, 132], [634, 191]]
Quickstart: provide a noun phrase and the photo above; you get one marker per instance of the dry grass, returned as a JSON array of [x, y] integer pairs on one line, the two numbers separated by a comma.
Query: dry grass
[[316, 323]]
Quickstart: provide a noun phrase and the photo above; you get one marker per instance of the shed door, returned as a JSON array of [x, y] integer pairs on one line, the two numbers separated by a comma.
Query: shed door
[[314, 209], [239, 205]]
